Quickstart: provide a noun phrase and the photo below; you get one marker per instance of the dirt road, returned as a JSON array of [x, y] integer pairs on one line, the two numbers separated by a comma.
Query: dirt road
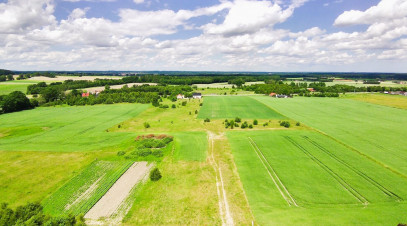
[[118, 193]]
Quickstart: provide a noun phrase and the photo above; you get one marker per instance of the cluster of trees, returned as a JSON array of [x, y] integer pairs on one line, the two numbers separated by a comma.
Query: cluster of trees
[[32, 214], [54, 95], [322, 87], [40, 73], [16, 101], [322, 90], [6, 75], [235, 123], [279, 87]]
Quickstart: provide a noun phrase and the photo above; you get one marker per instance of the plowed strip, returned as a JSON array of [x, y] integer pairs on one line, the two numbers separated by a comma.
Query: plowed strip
[[118, 193]]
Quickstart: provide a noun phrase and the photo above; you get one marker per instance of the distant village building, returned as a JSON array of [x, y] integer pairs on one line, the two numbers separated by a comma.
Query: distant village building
[[85, 94], [197, 95], [272, 94], [282, 96], [180, 96], [311, 89]]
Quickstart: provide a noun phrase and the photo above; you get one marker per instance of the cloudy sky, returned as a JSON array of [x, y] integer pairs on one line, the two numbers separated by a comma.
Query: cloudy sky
[[210, 35]]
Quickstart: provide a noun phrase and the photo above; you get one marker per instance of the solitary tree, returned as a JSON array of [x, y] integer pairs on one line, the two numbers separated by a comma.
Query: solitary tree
[[155, 174]]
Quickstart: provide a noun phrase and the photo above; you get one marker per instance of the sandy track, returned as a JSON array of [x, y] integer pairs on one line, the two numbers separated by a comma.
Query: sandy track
[[118, 193], [224, 209]]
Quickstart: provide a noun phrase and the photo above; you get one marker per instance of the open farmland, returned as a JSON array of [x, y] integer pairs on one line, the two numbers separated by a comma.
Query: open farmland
[[376, 131], [221, 107], [396, 101], [6, 88], [65, 128], [83, 191], [291, 177], [191, 146], [32, 176]]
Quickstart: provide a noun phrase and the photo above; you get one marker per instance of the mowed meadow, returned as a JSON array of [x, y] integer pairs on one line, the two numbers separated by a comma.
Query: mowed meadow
[[81, 128]]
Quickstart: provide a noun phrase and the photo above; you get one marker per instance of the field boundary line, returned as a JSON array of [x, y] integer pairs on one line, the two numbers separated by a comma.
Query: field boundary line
[[290, 200], [362, 154], [338, 178], [360, 173]]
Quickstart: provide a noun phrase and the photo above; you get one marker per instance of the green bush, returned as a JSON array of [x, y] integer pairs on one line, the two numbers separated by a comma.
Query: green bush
[[286, 124], [207, 120], [265, 124], [146, 125], [237, 119], [250, 126], [298, 124], [120, 153], [173, 106], [155, 175], [244, 125], [255, 122], [184, 103], [144, 152], [158, 153]]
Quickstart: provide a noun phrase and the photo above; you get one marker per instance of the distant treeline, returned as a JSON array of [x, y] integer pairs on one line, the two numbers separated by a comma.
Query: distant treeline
[[321, 88], [159, 79], [318, 76], [5, 72]]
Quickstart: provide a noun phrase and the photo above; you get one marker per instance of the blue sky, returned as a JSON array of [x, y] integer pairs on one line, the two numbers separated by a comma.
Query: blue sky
[[224, 35]]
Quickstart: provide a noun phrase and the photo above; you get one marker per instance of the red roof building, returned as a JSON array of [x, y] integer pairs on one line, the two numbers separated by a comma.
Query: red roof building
[[272, 94], [85, 94]]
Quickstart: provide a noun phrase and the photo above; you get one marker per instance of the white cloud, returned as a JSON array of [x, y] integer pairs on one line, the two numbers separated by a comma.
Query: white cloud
[[247, 17], [138, 1], [386, 10], [242, 37], [18, 16]]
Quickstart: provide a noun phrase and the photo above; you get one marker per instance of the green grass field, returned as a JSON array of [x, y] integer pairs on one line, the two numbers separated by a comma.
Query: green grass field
[[222, 107], [65, 128], [6, 88], [290, 177], [191, 146], [84, 190], [396, 101], [375, 131], [32, 176]]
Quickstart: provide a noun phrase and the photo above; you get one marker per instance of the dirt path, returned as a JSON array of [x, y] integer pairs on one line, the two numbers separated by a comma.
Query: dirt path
[[224, 209], [118, 193]]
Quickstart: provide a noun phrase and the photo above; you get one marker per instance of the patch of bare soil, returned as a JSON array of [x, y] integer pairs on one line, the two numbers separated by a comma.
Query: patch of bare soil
[[101, 88], [117, 194], [75, 78]]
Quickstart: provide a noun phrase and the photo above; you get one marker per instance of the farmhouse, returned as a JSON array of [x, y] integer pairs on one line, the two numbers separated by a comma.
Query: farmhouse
[[272, 94], [197, 95], [180, 96], [85, 94], [311, 89]]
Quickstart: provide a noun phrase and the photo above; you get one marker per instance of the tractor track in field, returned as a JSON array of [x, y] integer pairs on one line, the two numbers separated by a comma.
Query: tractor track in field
[[224, 209], [272, 173], [338, 178], [386, 191]]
